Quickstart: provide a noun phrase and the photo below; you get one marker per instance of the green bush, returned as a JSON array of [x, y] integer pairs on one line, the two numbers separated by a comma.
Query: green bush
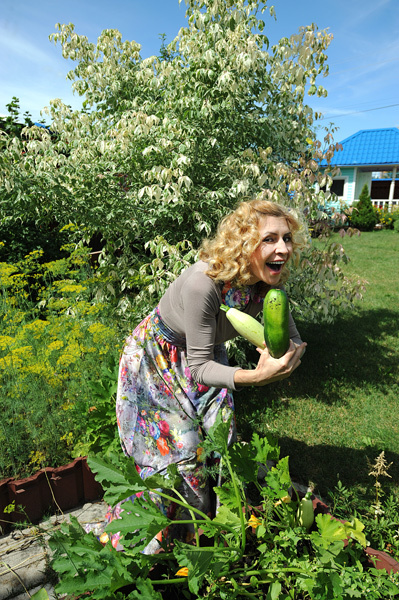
[[363, 216], [384, 217]]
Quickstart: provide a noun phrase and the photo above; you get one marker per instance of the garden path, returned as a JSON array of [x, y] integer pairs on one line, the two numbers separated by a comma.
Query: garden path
[[24, 554]]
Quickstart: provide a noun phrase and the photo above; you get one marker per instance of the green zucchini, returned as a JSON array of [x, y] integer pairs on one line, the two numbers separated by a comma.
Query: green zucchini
[[245, 325], [276, 322]]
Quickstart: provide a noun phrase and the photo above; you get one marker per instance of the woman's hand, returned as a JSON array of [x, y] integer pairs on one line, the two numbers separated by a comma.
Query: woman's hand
[[271, 369]]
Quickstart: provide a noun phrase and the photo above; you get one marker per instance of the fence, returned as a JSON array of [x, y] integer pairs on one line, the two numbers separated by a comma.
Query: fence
[[388, 205]]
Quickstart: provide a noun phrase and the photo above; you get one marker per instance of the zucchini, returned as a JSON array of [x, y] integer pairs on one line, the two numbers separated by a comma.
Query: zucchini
[[305, 513], [245, 325], [276, 322]]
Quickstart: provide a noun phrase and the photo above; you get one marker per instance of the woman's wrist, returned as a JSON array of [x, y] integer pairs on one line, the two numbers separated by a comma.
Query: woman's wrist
[[245, 377]]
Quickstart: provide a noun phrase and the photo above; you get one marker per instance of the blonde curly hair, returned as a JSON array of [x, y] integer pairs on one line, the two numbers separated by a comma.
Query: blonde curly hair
[[237, 237]]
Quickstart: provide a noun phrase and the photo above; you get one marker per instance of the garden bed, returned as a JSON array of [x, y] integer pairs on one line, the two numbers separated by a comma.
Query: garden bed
[[45, 492]]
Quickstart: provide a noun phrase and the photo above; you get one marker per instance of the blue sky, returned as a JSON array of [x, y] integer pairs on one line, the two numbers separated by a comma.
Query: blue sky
[[363, 86]]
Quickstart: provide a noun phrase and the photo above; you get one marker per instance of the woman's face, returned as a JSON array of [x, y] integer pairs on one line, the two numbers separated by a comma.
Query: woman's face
[[269, 258]]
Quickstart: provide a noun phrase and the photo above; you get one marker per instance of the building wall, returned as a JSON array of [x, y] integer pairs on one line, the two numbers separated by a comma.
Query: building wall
[[348, 174], [362, 178]]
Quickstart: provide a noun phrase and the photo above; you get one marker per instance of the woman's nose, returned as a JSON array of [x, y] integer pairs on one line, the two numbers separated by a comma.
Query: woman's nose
[[281, 247]]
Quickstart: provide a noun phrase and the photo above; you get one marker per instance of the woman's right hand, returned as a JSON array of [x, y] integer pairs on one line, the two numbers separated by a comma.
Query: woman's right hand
[[271, 369]]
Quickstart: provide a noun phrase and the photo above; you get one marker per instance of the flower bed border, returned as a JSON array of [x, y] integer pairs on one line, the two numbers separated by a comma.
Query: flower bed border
[[45, 492]]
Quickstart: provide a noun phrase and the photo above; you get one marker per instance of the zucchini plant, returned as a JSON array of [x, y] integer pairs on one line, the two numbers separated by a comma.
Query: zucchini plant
[[243, 552]]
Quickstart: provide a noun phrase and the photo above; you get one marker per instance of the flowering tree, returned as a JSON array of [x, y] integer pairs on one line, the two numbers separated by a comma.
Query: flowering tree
[[166, 145]]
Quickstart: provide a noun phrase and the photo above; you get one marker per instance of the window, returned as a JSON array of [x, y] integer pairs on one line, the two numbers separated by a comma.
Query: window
[[338, 187]]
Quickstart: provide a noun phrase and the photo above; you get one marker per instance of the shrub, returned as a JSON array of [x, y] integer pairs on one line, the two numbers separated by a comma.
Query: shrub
[[363, 216], [385, 218], [166, 145]]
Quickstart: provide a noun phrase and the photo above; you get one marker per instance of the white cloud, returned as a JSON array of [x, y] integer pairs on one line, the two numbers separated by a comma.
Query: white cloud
[[12, 45]]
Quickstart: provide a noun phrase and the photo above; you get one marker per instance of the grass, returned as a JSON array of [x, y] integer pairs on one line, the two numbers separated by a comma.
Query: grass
[[340, 407]]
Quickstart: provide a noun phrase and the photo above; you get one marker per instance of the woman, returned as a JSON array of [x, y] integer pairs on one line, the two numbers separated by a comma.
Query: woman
[[174, 375]]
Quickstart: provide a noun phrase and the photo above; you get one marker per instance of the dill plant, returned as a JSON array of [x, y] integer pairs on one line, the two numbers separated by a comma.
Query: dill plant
[[54, 340]]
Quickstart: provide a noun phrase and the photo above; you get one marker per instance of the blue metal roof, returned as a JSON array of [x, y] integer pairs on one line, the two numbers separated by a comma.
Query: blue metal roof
[[368, 147]]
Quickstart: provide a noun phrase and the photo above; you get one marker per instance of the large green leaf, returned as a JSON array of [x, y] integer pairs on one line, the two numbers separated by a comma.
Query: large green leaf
[[139, 522], [225, 516], [354, 529], [118, 476], [242, 461], [145, 591], [218, 435], [278, 479], [227, 495], [85, 565], [40, 595], [169, 481], [197, 561], [266, 448], [329, 531], [225, 520]]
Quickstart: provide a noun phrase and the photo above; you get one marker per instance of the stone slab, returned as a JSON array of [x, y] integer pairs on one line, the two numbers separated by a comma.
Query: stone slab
[[24, 554]]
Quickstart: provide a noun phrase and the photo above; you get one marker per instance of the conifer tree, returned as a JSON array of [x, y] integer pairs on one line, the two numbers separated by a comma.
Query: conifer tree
[[364, 217]]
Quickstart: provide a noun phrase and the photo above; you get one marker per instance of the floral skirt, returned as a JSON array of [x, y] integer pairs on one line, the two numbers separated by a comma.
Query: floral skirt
[[163, 414]]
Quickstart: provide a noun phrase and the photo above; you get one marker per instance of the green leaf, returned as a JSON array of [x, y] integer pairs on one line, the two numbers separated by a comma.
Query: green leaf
[[330, 530], [354, 529], [278, 479], [228, 517], [274, 591], [139, 522], [40, 595], [266, 448], [166, 482], [145, 591], [117, 475], [196, 560], [243, 463], [85, 565], [218, 434], [227, 495]]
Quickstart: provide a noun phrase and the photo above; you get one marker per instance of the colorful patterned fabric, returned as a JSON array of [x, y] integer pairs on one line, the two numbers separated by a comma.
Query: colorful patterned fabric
[[163, 414], [238, 297]]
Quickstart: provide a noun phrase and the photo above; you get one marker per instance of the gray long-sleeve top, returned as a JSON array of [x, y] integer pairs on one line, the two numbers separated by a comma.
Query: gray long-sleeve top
[[191, 308]]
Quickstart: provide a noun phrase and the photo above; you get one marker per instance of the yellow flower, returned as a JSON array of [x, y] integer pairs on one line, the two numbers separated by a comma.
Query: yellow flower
[[183, 572], [104, 538], [285, 499], [254, 522]]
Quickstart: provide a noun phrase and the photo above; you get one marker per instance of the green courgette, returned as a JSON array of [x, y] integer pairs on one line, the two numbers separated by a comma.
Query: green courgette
[[305, 513], [276, 322]]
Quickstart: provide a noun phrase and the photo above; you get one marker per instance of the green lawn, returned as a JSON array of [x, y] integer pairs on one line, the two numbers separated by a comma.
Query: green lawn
[[341, 407]]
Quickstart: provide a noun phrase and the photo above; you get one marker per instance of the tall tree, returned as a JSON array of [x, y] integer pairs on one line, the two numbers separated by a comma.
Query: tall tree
[[165, 145]]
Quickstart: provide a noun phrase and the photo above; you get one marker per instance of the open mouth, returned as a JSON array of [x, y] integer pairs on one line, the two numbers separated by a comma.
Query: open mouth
[[276, 265]]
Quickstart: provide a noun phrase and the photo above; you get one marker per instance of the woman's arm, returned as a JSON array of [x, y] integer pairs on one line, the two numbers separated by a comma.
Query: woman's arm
[[270, 369]]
